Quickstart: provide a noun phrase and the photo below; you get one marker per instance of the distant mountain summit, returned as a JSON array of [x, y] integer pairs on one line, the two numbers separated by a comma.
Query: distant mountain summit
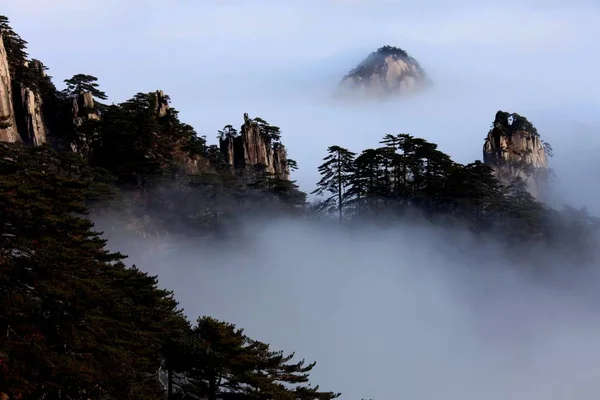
[[387, 71]]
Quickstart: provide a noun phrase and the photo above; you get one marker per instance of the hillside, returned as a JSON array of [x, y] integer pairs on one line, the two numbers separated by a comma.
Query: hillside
[[80, 324]]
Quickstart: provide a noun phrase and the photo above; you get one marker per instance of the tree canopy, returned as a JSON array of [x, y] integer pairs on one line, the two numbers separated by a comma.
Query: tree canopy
[[81, 324], [81, 83]]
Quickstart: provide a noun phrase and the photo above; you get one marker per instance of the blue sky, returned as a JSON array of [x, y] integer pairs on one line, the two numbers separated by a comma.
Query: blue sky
[[281, 60]]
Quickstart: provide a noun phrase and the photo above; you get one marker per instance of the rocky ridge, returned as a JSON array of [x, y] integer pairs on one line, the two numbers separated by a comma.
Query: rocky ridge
[[514, 150], [22, 119]]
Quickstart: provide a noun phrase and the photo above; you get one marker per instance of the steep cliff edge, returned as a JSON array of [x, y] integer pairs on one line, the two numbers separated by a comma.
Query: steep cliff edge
[[22, 84], [31, 115], [513, 149], [387, 71], [8, 123], [256, 148]]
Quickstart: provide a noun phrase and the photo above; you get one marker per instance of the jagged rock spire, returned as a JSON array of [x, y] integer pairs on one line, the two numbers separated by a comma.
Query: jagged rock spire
[[514, 149], [252, 148]]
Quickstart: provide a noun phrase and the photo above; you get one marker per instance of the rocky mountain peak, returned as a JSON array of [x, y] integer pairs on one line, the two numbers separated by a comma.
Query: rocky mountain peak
[[514, 149], [389, 70], [256, 147]]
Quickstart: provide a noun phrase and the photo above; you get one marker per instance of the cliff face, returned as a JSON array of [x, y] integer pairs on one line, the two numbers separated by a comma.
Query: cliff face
[[21, 116], [253, 149], [31, 115], [8, 123], [83, 108], [389, 70], [514, 149], [35, 128]]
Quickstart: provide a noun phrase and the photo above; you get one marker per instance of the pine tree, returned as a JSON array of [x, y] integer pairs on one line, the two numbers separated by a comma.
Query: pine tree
[[292, 164], [473, 194], [16, 47], [336, 173], [229, 365], [82, 83], [368, 186], [78, 323], [228, 132], [270, 132]]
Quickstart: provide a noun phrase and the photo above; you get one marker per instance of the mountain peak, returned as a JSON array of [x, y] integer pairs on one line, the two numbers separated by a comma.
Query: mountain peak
[[514, 150], [389, 70]]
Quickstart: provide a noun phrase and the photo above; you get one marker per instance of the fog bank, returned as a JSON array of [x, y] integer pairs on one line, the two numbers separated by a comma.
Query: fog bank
[[409, 312]]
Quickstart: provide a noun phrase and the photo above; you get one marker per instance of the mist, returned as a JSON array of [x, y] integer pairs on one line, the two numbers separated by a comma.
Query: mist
[[412, 312], [405, 313]]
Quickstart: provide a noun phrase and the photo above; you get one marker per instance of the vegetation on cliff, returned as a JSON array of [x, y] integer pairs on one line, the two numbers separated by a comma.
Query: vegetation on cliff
[[78, 323]]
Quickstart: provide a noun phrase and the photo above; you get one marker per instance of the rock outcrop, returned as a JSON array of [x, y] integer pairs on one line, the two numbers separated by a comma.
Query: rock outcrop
[[387, 71], [83, 108], [8, 123], [34, 127], [255, 150], [162, 103], [21, 115], [513, 149]]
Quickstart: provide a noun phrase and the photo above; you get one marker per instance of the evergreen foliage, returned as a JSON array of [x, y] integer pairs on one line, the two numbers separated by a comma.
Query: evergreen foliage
[[229, 365], [82, 83], [409, 176], [15, 46], [336, 174], [80, 324]]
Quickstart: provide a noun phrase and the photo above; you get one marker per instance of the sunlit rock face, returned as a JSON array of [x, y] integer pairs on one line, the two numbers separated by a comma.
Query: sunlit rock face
[[389, 71], [21, 103], [514, 149], [8, 124]]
